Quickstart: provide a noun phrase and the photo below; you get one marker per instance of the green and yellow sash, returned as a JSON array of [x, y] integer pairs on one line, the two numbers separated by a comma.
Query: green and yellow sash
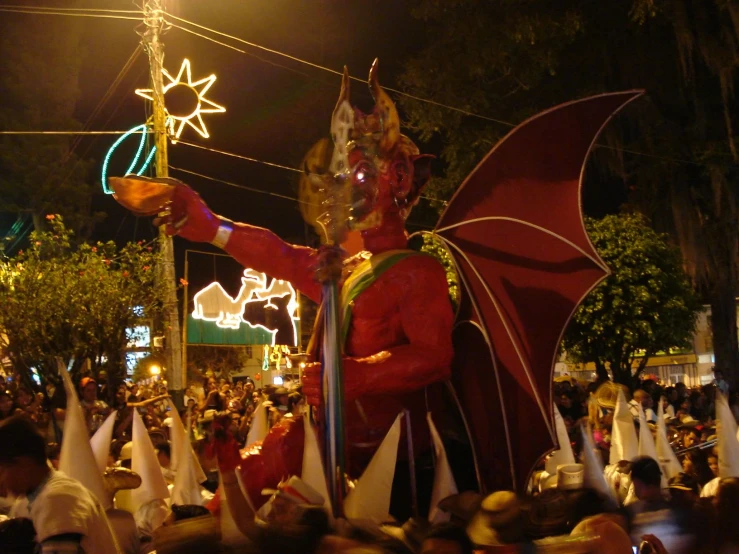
[[366, 273]]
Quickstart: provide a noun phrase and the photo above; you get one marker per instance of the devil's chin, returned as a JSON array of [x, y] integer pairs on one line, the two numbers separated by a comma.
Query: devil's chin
[[364, 223]]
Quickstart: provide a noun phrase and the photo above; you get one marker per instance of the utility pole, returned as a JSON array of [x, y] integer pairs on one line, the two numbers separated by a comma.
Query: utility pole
[[151, 38]]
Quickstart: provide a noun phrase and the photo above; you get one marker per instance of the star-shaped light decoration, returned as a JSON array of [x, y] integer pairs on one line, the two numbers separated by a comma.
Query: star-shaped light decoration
[[191, 101]]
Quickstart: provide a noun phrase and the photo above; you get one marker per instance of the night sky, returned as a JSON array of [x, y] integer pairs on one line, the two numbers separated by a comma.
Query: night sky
[[276, 108]]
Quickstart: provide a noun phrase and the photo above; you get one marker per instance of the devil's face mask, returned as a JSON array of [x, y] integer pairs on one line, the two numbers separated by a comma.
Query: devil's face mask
[[385, 168]]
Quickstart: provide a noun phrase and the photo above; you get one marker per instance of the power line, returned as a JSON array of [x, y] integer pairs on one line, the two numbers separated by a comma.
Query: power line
[[69, 132], [239, 156], [70, 14], [237, 185], [317, 66], [396, 91], [51, 8]]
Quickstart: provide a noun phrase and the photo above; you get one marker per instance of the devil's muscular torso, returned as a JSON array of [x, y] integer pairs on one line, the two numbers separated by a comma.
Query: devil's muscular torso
[[399, 340]]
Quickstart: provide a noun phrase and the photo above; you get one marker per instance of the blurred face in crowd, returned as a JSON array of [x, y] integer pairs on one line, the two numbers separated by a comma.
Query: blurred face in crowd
[[6, 404], [90, 392], [713, 464], [565, 401], [688, 466], [249, 387], [15, 477]]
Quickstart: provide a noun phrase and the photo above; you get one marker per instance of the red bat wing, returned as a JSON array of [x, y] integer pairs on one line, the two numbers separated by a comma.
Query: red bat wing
[[515, 230]]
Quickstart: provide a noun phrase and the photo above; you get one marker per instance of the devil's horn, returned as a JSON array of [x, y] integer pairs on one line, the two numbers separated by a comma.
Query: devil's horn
[[345, 90], [386, 111]]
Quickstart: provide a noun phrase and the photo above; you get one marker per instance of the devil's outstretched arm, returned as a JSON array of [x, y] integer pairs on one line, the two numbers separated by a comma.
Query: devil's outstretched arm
[[264, 251], [254, 247]]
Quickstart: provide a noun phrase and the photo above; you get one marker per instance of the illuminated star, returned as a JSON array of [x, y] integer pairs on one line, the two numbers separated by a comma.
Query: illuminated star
[[199, 105]]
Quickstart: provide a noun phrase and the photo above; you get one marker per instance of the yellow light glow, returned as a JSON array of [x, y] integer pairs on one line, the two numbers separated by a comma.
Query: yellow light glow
[[155, 369], [175, 122]]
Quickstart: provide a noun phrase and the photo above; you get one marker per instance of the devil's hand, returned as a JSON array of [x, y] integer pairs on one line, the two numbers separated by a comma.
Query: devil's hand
[[353, 382], [188, 216]]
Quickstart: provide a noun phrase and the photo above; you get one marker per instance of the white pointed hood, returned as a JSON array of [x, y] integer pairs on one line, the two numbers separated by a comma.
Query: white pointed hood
[[728, 446], [646, 443], [259, 425], [624, 444], [76, 458], [144, 462], [179, 437], [593, 473], [666, 455], [230, 534], [100, 442], [313, 473], [186, 488], [444, 483], [564, 454], [370, 498]]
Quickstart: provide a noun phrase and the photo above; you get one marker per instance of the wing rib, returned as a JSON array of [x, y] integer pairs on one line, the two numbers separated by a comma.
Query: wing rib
[[504, 319]]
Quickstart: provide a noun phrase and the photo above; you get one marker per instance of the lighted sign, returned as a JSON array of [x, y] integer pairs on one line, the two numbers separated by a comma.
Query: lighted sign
[[270, 307], [196, 105], [141, 129]]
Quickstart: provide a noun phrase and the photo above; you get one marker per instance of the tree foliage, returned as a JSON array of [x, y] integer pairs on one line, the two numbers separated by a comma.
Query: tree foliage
[[40, 174], [74, 302], [672, 152], [645, 306]]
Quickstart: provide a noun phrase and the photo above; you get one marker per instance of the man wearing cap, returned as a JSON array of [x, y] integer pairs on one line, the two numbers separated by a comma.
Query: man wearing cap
[[95, 410], [67, 516]]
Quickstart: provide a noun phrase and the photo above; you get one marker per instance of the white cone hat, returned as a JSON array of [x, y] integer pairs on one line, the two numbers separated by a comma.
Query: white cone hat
[[179, 437], [624, 445], [76, 458], [144, 462], [230, 534], [259, 426], [564, 454], [186, 487], [666, 455], [100, 442], [593, 475], [313, 473], [646, 443], [370, 498], [728, 446], [444, 483]]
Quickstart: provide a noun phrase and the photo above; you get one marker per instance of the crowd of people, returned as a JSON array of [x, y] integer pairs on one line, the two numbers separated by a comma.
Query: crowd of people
[[637, 500]]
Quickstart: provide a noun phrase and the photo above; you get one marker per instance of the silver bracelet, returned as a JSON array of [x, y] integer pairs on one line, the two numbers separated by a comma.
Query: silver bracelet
[[223, 234]]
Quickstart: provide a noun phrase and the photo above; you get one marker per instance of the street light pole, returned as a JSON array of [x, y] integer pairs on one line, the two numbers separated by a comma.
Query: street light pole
[[153, 28]]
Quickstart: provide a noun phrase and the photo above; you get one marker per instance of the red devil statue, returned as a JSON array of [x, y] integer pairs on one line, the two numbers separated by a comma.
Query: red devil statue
[[398, 332]]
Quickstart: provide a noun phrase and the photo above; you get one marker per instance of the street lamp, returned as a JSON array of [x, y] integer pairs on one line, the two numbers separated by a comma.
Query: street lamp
[[155, 369]]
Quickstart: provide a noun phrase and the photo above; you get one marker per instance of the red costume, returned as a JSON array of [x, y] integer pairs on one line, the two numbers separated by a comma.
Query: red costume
[[399, 338], [516, 235]]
